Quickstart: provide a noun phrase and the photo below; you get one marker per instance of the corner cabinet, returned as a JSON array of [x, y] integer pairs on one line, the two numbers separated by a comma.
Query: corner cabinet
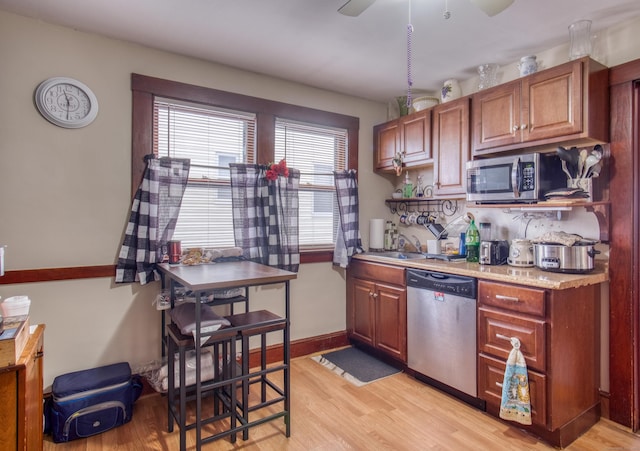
[[451, 147], [567, 103], [377, 307], [559, 333], [408, 135], [21, 398]]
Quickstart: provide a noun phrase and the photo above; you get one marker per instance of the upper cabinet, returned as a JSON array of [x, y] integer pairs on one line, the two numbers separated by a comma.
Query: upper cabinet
[[567, 103], [450, 147], [409, 136]]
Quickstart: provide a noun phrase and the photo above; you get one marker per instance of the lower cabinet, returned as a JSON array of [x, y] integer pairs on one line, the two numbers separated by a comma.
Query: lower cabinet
[[559, 333], [21, 398], [377, 307]]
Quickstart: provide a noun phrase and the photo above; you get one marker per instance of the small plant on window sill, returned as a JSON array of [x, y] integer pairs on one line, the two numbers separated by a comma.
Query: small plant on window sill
[[277, 169]]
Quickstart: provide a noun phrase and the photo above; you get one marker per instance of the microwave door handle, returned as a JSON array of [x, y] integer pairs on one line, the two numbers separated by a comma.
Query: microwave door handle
[[514, 178]]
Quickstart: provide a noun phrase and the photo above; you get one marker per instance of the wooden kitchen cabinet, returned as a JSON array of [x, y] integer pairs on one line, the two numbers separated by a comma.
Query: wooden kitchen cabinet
[[559, 332], [377, 307], [409, 135], [451, 147], [567, 103], [21, 398]]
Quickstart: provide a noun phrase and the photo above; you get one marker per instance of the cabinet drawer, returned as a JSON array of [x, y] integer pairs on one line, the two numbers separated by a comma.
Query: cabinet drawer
[[496, 328], [512, 297], [491, 377], [377, 272]]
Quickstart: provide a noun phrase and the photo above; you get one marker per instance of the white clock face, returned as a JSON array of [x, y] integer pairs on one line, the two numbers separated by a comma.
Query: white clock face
[[66, 102]]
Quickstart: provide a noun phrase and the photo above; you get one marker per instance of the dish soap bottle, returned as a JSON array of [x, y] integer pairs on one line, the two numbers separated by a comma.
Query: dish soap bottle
[[407, 189], [472, 242]]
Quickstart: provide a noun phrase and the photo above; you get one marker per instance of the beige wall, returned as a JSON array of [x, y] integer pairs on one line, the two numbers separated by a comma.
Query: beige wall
[[66, 193]]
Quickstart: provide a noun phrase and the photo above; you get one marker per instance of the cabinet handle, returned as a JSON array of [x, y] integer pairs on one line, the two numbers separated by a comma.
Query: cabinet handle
[[502, 297], [515, 128], [524, 126], [503, 337], [499, 384], [38, 355], [375, 295]]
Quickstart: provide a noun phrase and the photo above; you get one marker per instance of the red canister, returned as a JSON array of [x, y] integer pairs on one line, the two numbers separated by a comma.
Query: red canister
[[175, 252]]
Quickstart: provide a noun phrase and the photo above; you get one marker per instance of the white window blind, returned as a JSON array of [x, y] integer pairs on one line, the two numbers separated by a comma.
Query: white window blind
[[316, 151], [212, 138]]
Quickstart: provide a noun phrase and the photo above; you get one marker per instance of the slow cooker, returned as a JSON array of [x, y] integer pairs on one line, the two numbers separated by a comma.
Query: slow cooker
[[576, 259]]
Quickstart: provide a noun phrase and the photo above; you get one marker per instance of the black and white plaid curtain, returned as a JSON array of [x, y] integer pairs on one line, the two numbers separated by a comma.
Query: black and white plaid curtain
[[265, 215], [348, 241], [154, 214]]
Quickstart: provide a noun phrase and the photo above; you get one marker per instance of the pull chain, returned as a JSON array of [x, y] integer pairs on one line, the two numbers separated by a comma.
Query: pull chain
[[409, 78]]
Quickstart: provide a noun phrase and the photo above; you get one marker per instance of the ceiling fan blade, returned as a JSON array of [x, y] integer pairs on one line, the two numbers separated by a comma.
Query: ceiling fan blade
[[354, 8], [492, 7]]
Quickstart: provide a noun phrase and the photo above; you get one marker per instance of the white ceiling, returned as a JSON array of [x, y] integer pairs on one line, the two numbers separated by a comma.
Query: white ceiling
[[308, 41]]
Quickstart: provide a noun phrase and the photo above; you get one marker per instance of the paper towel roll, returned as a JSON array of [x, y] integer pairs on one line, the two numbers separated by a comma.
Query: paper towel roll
[[376, 234]]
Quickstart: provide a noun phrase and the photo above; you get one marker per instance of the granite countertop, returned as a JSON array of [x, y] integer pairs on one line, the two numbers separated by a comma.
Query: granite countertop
[[524, 276]]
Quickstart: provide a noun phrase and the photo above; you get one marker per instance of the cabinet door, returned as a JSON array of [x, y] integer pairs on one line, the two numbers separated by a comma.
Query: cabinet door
[[386, 141], [361, 310], [415, 138], [8, 403], [552, 102], [496, 116], [391, 324], [490, 380], [33, 398], [451, 146]]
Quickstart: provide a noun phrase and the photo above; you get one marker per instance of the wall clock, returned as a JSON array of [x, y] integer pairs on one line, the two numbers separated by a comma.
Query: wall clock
[[66, 102]]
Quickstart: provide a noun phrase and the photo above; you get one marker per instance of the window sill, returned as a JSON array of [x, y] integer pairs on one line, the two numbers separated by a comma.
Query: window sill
[[316, 255]]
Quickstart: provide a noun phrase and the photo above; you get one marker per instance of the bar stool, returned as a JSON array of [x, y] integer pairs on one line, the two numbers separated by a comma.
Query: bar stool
[[223, 342], [260, 323]]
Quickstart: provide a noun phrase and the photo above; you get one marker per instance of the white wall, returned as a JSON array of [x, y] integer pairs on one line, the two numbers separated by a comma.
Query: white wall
[[66, 193]]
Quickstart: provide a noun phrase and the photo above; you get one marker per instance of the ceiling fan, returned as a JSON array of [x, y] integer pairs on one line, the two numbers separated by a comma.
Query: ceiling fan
[[490, 7]]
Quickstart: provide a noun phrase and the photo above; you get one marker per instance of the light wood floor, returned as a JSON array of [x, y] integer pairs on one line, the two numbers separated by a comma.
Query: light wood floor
[[329, 414]]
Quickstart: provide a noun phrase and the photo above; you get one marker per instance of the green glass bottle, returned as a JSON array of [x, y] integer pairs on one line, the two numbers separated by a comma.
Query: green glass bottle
[[472, 241]]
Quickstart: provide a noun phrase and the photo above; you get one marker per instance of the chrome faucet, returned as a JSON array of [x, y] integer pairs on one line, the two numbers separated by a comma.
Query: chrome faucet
[[415, 243]]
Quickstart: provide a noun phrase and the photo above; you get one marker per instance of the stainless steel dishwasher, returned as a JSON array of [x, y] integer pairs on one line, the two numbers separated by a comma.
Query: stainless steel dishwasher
[[441, 329]]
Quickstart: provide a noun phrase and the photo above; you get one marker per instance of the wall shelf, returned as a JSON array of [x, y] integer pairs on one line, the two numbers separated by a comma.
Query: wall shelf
[[600, 209]]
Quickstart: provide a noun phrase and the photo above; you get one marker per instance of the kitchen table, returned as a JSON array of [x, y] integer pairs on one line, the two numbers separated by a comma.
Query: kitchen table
[[215, 276]]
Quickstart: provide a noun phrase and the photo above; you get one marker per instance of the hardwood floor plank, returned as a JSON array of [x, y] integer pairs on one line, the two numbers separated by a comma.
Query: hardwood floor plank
[[330, 414]]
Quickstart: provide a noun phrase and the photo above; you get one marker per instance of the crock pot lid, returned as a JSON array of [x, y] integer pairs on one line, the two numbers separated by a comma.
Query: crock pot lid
[[582, 242]]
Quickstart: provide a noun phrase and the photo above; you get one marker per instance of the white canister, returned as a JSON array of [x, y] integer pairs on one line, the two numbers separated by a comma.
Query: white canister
[[528, 65], [450, 90]]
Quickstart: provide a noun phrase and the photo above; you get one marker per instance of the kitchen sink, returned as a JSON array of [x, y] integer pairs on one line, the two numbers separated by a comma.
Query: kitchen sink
[[397, 255]]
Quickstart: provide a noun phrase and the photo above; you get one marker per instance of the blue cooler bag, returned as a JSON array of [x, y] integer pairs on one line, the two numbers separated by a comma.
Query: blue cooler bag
[[89, 402]]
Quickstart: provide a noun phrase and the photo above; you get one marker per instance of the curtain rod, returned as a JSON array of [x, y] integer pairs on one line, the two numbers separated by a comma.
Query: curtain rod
[[204, 166]]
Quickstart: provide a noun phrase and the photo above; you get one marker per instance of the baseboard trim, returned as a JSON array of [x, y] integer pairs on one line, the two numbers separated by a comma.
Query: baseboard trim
[[302, 347], [604, 405]]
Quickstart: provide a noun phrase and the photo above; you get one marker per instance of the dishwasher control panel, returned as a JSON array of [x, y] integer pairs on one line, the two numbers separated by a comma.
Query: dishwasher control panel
[[447, 283]]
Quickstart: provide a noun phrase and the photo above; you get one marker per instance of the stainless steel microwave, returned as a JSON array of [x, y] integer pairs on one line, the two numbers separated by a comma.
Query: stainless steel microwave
[[514, 179]]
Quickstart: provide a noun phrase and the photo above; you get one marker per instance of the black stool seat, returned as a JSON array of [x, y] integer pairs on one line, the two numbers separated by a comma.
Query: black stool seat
[[257, 322]]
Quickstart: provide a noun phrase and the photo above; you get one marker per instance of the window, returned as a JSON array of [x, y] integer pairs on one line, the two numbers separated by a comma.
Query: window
[[214, 128], [316, 151], [212, 138]]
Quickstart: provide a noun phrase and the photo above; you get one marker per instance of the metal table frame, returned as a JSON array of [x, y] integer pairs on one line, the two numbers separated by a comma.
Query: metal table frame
[[207, 277]]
